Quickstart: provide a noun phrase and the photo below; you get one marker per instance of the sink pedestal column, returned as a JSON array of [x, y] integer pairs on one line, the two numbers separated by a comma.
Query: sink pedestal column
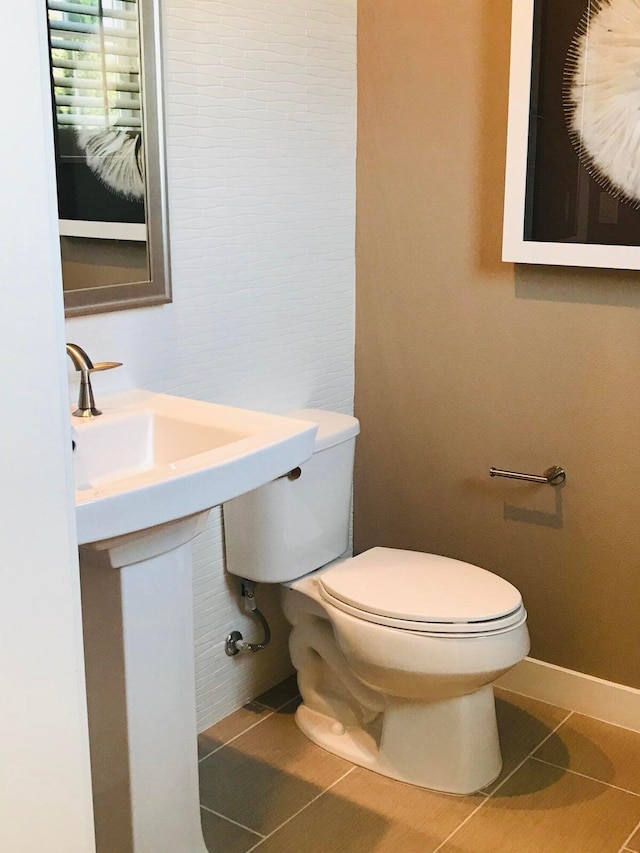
[[138, 633]]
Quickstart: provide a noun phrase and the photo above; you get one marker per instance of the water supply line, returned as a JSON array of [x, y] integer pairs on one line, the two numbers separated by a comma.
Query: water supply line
[[234, 642]]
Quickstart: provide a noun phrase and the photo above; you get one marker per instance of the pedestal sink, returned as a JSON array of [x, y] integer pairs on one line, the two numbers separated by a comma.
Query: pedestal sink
[[147, 472]]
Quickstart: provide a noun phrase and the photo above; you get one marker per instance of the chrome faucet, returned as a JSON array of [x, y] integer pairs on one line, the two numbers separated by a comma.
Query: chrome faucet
[[84, 366]]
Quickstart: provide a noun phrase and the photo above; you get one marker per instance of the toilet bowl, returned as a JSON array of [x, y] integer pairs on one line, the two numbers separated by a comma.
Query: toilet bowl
[[426, 653], [395, 651]]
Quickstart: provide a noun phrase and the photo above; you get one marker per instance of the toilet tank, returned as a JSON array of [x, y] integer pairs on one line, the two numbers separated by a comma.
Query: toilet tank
[[290, 527]]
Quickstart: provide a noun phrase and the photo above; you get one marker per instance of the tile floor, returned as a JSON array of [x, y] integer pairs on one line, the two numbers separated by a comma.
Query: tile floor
[[570, 784]]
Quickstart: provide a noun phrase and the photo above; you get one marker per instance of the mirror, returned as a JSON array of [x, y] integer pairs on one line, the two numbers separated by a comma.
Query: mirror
[[106, 84]]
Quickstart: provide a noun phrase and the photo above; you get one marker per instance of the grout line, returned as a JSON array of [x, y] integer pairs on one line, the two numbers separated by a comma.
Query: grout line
[[284, 704], [460, 825], [498, 787], [317, 797], [512, 692], [624, 847], [231, 820], [244, 731], [608, 722], [530, 755], [271, 711], [585, 776]]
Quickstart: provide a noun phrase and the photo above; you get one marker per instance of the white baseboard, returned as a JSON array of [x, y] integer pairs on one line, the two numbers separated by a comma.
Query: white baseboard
[[604, 700]]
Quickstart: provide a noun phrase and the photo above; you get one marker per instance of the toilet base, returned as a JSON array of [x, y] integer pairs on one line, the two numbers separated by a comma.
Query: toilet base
[[450, 746]]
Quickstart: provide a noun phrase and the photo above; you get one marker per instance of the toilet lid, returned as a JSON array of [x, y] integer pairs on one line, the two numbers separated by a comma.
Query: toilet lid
[[409, 589]]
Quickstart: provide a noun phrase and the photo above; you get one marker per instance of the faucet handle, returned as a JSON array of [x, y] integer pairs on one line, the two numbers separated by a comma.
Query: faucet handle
[[105, 365], [84, 365]]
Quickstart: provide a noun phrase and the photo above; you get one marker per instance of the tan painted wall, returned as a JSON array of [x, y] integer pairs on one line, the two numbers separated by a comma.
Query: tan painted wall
[[464, 362]]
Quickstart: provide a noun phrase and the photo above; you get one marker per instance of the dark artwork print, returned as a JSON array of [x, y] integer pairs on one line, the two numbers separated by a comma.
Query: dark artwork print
[[583, 169], [82, 195]]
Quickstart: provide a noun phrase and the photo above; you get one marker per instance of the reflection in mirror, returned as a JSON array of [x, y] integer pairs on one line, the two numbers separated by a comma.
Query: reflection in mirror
[[106, 86]]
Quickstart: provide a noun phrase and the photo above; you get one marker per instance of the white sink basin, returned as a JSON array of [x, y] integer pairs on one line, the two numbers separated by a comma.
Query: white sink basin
[[147, 471], [150, 459]]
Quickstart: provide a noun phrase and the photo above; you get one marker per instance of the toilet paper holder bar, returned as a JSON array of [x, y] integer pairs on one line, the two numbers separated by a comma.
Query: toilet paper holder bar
[[553, 476]]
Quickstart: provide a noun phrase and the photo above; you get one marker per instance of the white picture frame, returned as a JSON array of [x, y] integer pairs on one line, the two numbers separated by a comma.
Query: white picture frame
[[517, 247]]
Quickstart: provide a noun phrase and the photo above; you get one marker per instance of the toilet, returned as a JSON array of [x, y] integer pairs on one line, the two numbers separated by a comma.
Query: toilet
[[396, 651]]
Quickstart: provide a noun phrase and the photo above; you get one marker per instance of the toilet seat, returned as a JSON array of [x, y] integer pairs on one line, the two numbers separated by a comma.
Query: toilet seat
[[424, 593]]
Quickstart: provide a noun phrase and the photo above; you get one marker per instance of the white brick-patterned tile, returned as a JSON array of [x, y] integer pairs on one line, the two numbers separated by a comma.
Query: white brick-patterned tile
[[261, 107]]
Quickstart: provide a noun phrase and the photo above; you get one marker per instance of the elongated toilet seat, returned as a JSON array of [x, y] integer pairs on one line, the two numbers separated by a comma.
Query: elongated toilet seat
[[423, 593]]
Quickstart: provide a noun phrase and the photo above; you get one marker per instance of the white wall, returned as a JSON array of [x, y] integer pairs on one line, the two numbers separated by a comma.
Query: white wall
[[261, 103], [45, 795]]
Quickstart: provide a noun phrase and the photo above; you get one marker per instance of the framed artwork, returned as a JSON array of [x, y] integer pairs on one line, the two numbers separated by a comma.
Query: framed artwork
[[572, 192]]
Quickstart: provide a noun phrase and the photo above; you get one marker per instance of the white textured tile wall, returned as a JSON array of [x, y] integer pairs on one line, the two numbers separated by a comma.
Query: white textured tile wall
[[261, 114]]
